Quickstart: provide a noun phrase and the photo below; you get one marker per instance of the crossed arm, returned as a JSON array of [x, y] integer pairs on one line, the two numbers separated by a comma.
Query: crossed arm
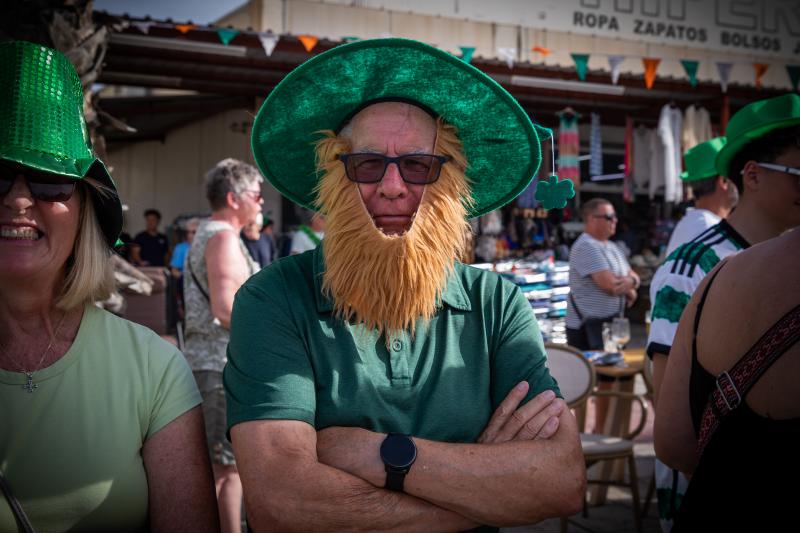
[[527, 466]]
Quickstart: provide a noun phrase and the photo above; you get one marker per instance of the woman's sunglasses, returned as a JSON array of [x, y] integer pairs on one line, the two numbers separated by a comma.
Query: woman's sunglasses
[[44, 186]]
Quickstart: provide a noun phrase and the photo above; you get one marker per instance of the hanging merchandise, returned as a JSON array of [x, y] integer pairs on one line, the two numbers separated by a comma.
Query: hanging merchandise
[[642, 155], [658, 175], [568, 146], [527, 198], [696, 127], [627, 184], [595, 147], [669, 133]]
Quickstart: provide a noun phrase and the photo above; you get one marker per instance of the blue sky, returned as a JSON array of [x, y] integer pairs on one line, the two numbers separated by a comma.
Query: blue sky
[[198, 11]]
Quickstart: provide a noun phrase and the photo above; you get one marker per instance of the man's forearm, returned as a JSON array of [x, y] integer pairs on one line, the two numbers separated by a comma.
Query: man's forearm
[[306, 496]]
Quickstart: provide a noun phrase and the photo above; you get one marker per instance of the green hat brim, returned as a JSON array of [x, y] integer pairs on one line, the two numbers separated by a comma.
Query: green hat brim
[[107, 204], [689, 177], [499, 140], [733, 146]]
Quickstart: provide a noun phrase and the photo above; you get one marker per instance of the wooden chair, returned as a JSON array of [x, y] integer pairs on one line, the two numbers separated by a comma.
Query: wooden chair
[[576, 379]]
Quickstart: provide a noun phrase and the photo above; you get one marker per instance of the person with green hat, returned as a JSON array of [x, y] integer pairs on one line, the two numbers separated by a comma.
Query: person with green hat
[[714, 195], [92, 404], [376, 382], [760, 157]]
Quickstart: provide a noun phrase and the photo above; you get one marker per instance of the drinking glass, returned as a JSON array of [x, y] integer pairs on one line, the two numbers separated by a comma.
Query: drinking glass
[[621, 332], [608, 341]]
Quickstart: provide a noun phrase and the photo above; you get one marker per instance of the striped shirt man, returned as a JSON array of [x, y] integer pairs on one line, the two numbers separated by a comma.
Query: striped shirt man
[[676, 280]]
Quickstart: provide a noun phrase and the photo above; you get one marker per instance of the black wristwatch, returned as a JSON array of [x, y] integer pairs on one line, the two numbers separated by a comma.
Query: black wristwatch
[[398, 453]]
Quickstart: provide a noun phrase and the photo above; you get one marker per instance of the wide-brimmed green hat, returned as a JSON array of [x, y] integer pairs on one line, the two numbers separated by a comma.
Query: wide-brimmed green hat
[[754, 121], [500, 142], [701, 160], [42, 124]]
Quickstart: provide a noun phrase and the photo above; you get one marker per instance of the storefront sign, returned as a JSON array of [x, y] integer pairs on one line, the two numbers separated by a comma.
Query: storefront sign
[[768, 27]]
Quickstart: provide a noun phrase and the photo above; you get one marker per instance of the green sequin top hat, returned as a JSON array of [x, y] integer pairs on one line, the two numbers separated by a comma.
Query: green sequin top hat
[[700, 160], [42, 124], [754, 121], [500, 142]]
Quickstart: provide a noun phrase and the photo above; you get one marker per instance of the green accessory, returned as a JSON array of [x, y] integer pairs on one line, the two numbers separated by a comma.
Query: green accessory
[[755, 120], [42, 124], [310, 234], [553, 194], [700, 160], [500, 142]]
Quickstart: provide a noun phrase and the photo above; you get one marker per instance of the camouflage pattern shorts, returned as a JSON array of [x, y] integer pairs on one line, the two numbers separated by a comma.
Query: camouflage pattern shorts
[[210, 384]]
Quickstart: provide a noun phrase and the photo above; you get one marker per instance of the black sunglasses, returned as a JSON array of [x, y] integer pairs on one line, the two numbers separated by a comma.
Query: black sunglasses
[[44, 186], [606, 216], [417, 169]]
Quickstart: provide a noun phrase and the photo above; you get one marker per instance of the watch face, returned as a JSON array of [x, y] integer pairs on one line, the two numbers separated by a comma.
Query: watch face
[[398, 451]]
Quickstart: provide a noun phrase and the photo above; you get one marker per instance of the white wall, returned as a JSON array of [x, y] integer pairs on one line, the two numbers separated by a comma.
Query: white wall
[[168, 176]]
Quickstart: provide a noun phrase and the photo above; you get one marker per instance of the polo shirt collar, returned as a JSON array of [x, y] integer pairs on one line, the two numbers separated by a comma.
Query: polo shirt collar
[[454, 295]]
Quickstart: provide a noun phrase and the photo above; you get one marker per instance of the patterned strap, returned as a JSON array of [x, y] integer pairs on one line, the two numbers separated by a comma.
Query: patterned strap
[[734, 385]]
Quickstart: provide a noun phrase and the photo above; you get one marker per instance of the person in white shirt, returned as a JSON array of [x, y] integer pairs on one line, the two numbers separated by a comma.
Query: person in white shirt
[[308, 237], [715, 196]]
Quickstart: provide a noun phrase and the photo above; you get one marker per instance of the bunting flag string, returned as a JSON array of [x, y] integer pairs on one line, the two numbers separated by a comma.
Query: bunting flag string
[[226, 35], [184, 28], [691, 70], [542, 50], [268, 42], [350, 39], [650, 68], [581, 65], [794, 75], [615, 64], [309, 41], [724, 70], [143, 27], [507, 54], [760, 70], [467, 53]]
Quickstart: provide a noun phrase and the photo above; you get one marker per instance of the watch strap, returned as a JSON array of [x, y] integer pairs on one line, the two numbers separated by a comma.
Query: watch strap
[[395, 479]]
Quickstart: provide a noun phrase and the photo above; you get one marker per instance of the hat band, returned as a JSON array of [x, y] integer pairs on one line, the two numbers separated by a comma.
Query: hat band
[[434, 115]]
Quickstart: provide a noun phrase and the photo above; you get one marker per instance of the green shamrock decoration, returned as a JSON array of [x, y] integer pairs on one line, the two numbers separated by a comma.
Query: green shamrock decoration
[[553, 194]]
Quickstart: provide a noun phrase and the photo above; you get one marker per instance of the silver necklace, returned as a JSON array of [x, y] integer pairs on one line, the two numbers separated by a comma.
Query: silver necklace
[[29, 385]]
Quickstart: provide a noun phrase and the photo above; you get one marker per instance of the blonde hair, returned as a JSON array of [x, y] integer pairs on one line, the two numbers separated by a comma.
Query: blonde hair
[[388, 282], [89, 275]]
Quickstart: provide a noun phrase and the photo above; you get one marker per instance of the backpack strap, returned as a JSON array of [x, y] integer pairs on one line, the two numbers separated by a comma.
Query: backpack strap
[[16, 508], [310, 234], [733, 385]]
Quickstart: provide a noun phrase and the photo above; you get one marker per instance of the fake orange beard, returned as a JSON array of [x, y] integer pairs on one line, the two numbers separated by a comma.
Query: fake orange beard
[[388, 282]]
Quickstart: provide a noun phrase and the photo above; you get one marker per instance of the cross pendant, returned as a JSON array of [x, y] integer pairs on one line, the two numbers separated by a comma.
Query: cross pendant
[[30, 386]]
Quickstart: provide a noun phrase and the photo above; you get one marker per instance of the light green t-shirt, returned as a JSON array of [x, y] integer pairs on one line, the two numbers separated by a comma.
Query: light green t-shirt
[[289, 358], [71, 450]]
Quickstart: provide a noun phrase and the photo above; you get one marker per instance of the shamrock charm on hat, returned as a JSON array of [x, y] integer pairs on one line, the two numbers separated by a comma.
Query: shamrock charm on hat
[[553, 194]]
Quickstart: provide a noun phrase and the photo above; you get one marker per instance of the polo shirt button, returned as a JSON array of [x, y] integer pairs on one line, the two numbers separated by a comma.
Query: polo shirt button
[[397, 346]]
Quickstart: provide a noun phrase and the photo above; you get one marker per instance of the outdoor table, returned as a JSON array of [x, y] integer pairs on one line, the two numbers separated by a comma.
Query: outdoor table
[[618, 419]]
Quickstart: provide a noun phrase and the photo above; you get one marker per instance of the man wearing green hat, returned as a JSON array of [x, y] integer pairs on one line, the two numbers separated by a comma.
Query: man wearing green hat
[[376, 382], [761, 157], [714, 195]]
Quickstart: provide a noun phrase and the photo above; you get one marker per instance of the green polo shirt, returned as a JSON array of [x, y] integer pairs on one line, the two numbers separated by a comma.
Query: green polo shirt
[[289, 358]]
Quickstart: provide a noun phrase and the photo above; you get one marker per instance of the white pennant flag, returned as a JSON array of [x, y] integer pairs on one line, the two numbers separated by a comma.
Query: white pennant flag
[[268, 41], [724, 70], [615, 63], [507, 54], [144, 27]]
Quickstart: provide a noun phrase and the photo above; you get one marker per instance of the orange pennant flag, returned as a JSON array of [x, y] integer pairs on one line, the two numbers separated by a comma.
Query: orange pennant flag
[[650, 67], [542, 50], [184, 28], [309, 41], [761, 69]]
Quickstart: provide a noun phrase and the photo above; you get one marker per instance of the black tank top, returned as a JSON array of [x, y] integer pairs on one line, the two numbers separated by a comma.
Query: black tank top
[[745, 479]]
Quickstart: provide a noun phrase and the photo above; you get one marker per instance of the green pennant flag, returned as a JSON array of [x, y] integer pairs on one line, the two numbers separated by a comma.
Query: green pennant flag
[[466, 53], [794, 75], [226, 35], [581, 64], [691, 70]]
